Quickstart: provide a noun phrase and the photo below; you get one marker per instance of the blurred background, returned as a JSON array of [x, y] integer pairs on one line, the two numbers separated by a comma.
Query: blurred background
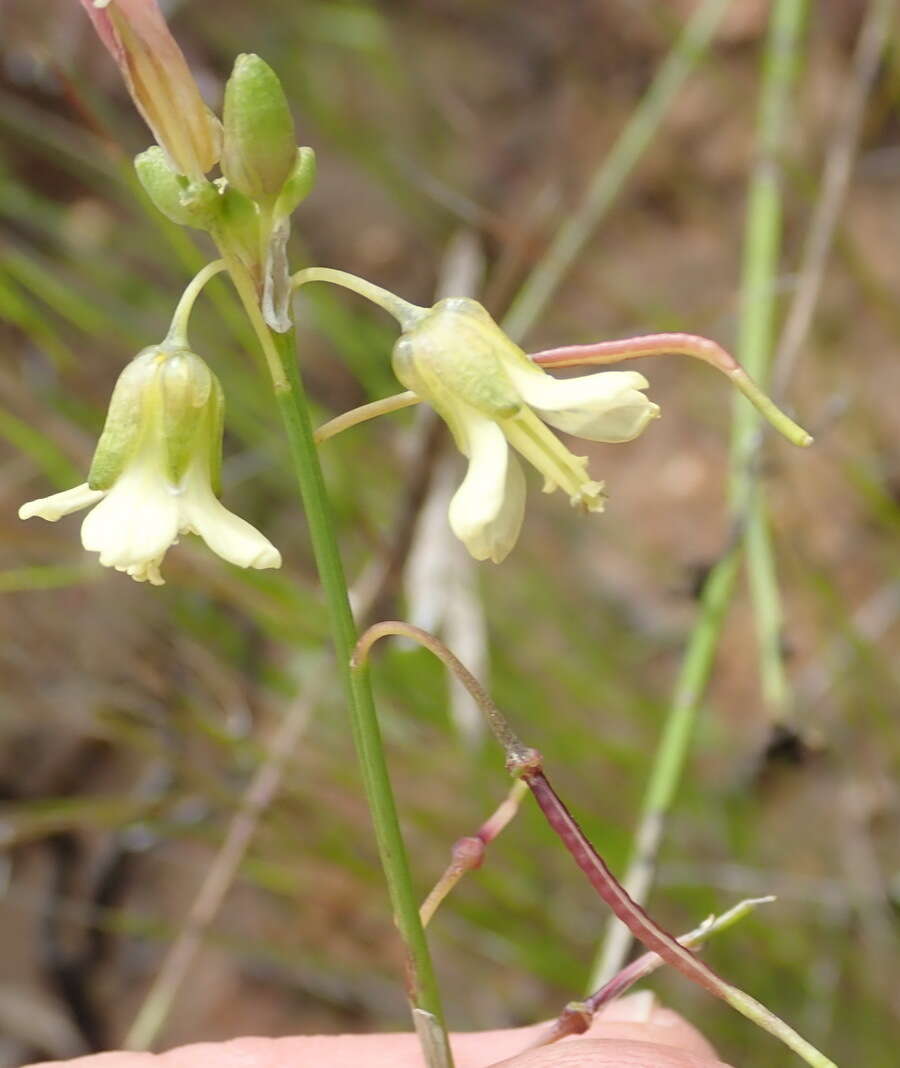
[[453, 138]]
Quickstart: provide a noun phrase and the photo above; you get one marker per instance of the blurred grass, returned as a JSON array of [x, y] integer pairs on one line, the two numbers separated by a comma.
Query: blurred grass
[[422, 114]]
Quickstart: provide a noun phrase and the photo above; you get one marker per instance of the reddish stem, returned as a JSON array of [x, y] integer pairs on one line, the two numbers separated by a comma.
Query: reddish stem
[[610, 890], [701, 348], [468, 853], [577, 1016], [630, 348]]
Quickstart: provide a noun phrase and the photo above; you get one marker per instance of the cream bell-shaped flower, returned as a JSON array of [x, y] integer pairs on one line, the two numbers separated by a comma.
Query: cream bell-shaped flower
[[155, 472], [456, 358]]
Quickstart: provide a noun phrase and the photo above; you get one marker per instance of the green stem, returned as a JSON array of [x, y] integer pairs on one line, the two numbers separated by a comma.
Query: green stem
[[756, 339], [404, 312], [365, 412], [178, 331], [754, 343], [292, 403], [748, 1006], [611, 174], [768, 613]]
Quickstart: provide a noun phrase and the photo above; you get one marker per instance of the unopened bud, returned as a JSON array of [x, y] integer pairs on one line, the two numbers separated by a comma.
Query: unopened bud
[[184, 202], [159, 81], [299, 183], [259, 146]]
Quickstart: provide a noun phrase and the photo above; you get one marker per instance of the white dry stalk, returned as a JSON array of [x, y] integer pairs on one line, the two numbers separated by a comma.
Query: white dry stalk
[[440, 578]]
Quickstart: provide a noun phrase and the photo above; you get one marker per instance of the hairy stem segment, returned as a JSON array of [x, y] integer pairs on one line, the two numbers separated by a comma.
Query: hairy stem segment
[[468, 853], [291, 399], [701, 348], [577, 1016], [526, 763]]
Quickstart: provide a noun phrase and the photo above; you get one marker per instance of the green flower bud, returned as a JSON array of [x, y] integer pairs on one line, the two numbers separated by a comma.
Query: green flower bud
[[238, 228], [299, 183], [259, 146], [184, 202]]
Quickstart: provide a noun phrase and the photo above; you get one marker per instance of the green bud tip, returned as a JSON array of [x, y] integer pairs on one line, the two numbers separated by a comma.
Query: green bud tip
[[185, 202], [259, 147]]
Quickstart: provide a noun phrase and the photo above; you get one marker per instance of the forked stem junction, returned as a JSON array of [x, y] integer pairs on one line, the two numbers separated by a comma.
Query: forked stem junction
[[527, 764]]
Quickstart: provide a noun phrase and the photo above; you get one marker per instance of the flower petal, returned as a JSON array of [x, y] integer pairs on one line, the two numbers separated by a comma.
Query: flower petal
[[136, 522], [60, 504], [487, 510], [232, 538], [146, 571], [607, 406]]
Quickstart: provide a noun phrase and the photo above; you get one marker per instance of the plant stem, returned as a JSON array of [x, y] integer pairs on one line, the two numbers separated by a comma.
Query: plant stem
[[701, 348], [847, 125], [404, 312], [363, 413], [756, 337], [178, 331], [760, 263], [526, 763], [468, 853], [615, 167], [577, 1016], [670, 757], [292, 403]]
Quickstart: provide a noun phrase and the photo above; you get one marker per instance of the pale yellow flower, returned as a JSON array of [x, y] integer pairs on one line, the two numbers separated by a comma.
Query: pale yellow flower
[[155, 472], [490, 394]]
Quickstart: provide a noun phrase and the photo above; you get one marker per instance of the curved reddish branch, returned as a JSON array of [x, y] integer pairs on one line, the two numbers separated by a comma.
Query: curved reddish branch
[[675, 344], [630, 348]]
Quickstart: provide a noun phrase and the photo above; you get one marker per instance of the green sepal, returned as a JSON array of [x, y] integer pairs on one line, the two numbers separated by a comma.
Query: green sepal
[[259, 143], [124, 422], [186, 203], [185, 388], [299, 183], [451, 353], [215, 430]]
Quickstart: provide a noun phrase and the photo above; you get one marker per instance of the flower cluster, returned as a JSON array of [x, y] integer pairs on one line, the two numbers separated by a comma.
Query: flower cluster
[[155, 471]]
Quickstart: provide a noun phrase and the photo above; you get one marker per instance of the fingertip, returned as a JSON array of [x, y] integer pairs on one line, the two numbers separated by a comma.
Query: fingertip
[[640, 1016], [612, 1052]]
